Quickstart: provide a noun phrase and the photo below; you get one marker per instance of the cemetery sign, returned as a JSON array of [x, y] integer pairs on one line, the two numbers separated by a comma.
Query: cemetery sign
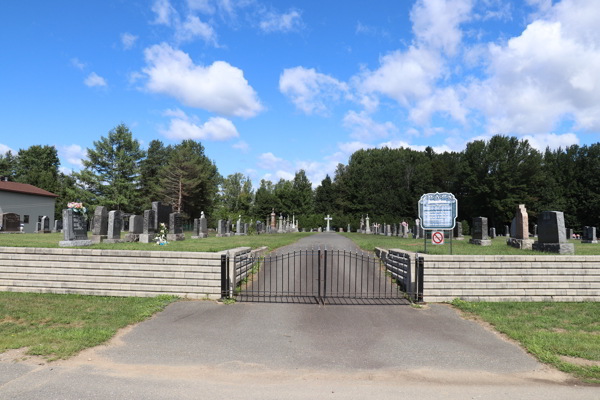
[[437, 211]]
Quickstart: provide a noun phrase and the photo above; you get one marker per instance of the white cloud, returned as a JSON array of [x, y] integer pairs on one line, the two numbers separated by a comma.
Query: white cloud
[[177, 113], [309, 90], [193, 28], [273, 21], [164, 12], [267, 177], [94, 80], [73, 154], [216, 128], [77, 64], [5, 149], [551, 140], [133, 77], [403, 76], [396, 144], [65, 170], [436, 22], [219, 88], [351, 147], [204, 6], [445, 101], [268, 161], [546, 74], [128, 40], [285, 175], [242, 146], [363, 127]]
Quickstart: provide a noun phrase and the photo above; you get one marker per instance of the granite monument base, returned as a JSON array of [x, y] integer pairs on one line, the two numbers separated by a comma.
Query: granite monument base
[[147, 237], [10, 232], [480, 242], [175, 237], [524, 244], [73, 243], [589, 241], [132, 237], [201, 236], [113, 241], [99, 238], [557, 248], [221, 235], [458, 238]]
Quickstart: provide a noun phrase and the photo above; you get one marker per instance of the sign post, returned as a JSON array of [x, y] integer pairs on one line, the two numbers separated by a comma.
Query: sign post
[[437, 212]]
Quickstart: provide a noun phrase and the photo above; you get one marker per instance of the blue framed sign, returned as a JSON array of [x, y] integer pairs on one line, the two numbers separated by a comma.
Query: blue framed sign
[[437, 211]]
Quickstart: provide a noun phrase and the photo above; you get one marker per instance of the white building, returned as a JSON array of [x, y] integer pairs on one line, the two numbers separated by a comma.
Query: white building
[[30, 202]]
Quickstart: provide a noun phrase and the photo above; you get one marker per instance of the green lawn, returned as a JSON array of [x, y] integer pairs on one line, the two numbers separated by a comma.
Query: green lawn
[[59, 326], [210, 244], [459, 247], [549, 331]]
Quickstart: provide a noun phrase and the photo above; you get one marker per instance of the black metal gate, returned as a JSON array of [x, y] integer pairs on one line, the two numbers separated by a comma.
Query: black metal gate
[[312, 276]]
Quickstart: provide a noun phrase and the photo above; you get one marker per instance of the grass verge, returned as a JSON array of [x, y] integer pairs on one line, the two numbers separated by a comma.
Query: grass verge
[[459, 247], [564, 335], [59, 326], [210, 244]]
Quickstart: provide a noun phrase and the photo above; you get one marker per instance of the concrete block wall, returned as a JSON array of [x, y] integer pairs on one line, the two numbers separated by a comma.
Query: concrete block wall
[[511, 278], [111, 272]]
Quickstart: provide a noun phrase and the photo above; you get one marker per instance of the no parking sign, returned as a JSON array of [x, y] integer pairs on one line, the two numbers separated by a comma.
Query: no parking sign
[[437, 237]]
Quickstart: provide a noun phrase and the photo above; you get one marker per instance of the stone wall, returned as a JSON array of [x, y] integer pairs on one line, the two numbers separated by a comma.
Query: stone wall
[[192, 275], [510, 278]]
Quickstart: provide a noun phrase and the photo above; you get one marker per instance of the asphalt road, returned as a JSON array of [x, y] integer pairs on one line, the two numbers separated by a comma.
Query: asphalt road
[[325, 267], [201, 349]]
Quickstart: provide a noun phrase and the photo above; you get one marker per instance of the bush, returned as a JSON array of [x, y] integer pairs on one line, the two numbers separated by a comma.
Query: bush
[[465, 227]]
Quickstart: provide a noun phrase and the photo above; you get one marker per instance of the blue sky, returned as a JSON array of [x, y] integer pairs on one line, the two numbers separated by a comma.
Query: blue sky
[[273, 87]]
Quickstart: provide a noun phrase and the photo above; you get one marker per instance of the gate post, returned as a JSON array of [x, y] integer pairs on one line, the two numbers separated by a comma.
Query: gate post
[[319, 274], [325, 276], [224, 277]]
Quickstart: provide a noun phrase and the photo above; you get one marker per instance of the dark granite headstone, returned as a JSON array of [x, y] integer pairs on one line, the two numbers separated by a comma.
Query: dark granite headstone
[[589, 235], [506, 230], [148, 225], [551, 225], [75, 226], [100, 226], [457, 233], [58, 225], [45, 224], [480, 228], [136, 224], [11, 222], [162, 211], [175, 223], [114, 224], [38, 227]]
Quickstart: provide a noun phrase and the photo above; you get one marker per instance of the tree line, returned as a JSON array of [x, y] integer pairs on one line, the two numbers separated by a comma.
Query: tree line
[[489, 179]]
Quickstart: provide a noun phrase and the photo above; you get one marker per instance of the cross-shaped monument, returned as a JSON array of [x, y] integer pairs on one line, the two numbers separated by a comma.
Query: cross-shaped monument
[[328, 219]]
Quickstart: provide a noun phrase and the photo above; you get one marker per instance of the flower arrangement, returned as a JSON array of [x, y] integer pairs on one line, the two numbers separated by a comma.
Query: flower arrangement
[[161, 237], [78, 208]]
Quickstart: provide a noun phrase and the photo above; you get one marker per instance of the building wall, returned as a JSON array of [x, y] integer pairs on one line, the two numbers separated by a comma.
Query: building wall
[[191, 275], [27, 204]]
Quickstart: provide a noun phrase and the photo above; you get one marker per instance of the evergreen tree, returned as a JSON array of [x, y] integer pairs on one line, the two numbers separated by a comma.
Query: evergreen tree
[[38, 166], [157, 157], [303, 194], [112, 171], [324, 197], [8, 165]]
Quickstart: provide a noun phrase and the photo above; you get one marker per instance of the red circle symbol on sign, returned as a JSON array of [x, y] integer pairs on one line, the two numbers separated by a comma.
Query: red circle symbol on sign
[[437, 238]]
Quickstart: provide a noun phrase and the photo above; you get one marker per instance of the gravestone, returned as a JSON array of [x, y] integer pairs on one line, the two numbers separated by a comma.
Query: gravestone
[[480, 232], [201, 231], [229, 228], [239, 227], [74, 230], [457, 232], [175, 228], [521, 239], [245, 228], [368, 231], [125, 221], [416, 229], [273, 219], [147, 235], [100, 227], [11, 222], [551, 234], [162, 211], [493, 233], [45, 225], [114, 227], [589, 235], [388, 230], [535, 230], [280, 227], [58, 226], [221, 229], [38, 227], [506, 231], [569, 233], [136, 227], [405, 231], [348, 230]]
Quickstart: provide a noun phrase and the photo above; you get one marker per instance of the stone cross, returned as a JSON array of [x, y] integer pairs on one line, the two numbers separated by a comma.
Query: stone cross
[[328, 218], [522, 222]]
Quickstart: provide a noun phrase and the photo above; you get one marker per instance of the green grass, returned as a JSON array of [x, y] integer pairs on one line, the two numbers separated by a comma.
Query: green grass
[[59, 326], [548, 331], [459, 247], [210, 244]]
